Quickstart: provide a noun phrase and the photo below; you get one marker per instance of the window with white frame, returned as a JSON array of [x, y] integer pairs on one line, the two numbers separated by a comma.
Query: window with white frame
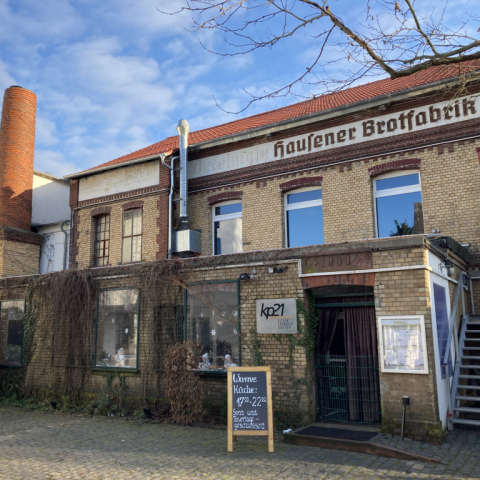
[[132, 236], [398, 204], [304, 217], [227, 228]]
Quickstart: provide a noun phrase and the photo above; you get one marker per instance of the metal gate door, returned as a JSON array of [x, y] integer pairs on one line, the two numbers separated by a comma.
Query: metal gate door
[[341, 392]]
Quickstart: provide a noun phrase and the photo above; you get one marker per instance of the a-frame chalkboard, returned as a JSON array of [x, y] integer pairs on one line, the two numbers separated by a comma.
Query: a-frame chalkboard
[[250, 409]]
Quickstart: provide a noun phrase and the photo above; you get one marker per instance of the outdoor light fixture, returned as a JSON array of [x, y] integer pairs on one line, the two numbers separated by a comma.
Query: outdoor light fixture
[[449, 266], [244, 276], [275, 270], [382, 107]]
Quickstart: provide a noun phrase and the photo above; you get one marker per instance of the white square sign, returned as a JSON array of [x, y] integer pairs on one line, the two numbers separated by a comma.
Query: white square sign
[[277, 315]]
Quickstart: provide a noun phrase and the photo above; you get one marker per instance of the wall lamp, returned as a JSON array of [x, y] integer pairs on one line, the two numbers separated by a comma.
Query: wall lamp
[[449, 266], [275, 270], [244, 276]]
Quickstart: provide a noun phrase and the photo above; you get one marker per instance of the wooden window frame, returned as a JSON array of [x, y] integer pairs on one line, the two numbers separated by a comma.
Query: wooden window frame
[[96, 257], [133, 210]]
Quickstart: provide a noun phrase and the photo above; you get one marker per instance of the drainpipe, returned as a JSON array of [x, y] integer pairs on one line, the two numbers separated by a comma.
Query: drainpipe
[[183, 128], [65, 244], [170, 198]]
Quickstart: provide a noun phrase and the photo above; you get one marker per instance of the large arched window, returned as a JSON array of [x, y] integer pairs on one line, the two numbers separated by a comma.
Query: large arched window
[[398, 204], [304, 217]]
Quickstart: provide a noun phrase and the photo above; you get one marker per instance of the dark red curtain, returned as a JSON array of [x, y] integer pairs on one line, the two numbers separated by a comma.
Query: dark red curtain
[[326, 329], [362, 362]]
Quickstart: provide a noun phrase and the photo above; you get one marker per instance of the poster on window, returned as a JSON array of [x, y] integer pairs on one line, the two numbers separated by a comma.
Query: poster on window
[[402, 344]]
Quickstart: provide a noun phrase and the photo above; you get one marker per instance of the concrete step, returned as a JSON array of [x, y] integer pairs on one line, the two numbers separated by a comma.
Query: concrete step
[[471, 348], [469, 358], [470, 377], [464, 421], [467, 409], [475, 367], [473, 319], [470, 399]]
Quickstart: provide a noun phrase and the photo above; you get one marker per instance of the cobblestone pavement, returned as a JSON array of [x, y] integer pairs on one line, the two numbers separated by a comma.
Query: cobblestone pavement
[[39, 445]]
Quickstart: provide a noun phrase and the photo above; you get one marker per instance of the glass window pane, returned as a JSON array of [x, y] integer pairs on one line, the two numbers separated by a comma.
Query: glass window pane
[[232, 208], [136, 249], [228, 236], [395, 182], [304, 196], [117, 326], [441, 319], [400, 215], [305, 227], [11, 332], [212, 320], [127, 250], [137, 222], [127, 224]]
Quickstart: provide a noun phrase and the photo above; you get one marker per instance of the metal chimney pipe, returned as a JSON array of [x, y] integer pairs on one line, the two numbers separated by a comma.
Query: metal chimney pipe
[[183, 128]]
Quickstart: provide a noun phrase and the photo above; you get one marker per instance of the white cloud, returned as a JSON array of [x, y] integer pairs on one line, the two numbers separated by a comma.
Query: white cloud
[[45, 132], [53, 162]]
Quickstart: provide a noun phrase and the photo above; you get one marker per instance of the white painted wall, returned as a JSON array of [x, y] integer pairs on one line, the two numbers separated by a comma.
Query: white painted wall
[[50, 200], [53, 248], [119, 180]]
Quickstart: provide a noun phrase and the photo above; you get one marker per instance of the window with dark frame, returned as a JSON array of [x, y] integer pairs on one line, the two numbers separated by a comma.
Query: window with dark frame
[[132, 236], [11, 332], [102, 240]]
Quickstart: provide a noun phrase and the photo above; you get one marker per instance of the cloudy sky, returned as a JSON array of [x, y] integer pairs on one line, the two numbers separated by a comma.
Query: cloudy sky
[[114, 76]]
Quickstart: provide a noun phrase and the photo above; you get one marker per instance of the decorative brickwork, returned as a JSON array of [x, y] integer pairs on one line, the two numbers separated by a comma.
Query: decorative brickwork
[[413, 163], [100, 211], [132, 205], [300, 182], [221, 197], [17, 144]]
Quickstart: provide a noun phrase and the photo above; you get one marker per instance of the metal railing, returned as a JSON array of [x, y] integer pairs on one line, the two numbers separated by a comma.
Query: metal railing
[[453, 334], [348, 388]]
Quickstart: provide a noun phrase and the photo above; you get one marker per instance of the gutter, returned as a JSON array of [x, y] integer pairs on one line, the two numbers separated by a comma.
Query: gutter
[[298, 121]]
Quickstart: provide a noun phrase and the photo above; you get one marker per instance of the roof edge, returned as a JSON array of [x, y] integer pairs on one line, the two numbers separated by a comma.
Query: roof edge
[[295, 122]]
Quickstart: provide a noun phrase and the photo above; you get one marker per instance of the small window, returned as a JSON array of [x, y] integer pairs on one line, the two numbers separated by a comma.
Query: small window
[[398, 205], [304, 218], [102, 240], [11, 332], [117, 329], [132, 236], [213, 321], [227, 228]]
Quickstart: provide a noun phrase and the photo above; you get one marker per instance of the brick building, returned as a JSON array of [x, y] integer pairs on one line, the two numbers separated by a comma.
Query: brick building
[[363, 204]]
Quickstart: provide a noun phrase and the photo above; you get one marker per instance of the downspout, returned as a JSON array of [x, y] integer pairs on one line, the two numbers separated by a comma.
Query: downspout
[[170, 199], [65, 244], [183, 128]]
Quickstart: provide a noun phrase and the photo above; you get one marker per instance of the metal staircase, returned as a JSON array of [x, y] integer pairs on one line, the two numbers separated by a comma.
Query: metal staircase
[[465, 387], [466, 378]]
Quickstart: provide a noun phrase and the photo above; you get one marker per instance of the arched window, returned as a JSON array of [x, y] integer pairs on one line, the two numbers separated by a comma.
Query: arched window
[[102, 240], [227, 228], [398, 204], [304, 217]]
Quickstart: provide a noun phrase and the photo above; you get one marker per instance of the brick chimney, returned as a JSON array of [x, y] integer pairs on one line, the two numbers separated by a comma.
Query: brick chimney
[[17, 144], [19, 246]]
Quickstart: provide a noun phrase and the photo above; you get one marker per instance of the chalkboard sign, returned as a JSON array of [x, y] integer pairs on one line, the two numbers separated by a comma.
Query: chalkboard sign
[[250, 403]]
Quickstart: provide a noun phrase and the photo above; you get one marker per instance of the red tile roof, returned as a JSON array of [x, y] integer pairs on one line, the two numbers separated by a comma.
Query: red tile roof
[[324, 102]]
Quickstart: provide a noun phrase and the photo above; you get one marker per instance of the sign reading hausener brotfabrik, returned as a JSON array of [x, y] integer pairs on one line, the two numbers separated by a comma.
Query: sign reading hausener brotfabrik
[[339, 262], [389, 125], [277, 316]]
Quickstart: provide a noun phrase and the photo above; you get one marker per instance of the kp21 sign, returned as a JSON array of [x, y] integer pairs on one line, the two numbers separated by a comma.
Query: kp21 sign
[[277, 315]]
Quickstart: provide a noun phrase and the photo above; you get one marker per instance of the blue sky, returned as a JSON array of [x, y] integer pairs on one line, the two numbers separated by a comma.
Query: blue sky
[[114, 76]]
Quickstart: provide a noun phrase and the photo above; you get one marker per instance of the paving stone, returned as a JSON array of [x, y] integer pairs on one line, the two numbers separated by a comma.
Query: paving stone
[[47, 446]]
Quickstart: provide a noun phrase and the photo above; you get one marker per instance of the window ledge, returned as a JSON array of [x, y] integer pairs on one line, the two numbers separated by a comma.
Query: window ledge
[[211, 373], [109, 370]]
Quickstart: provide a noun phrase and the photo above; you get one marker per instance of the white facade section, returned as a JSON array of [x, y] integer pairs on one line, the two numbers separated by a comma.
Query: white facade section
[[50, 199], [414, 120], [55, 248], [119, 180]]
